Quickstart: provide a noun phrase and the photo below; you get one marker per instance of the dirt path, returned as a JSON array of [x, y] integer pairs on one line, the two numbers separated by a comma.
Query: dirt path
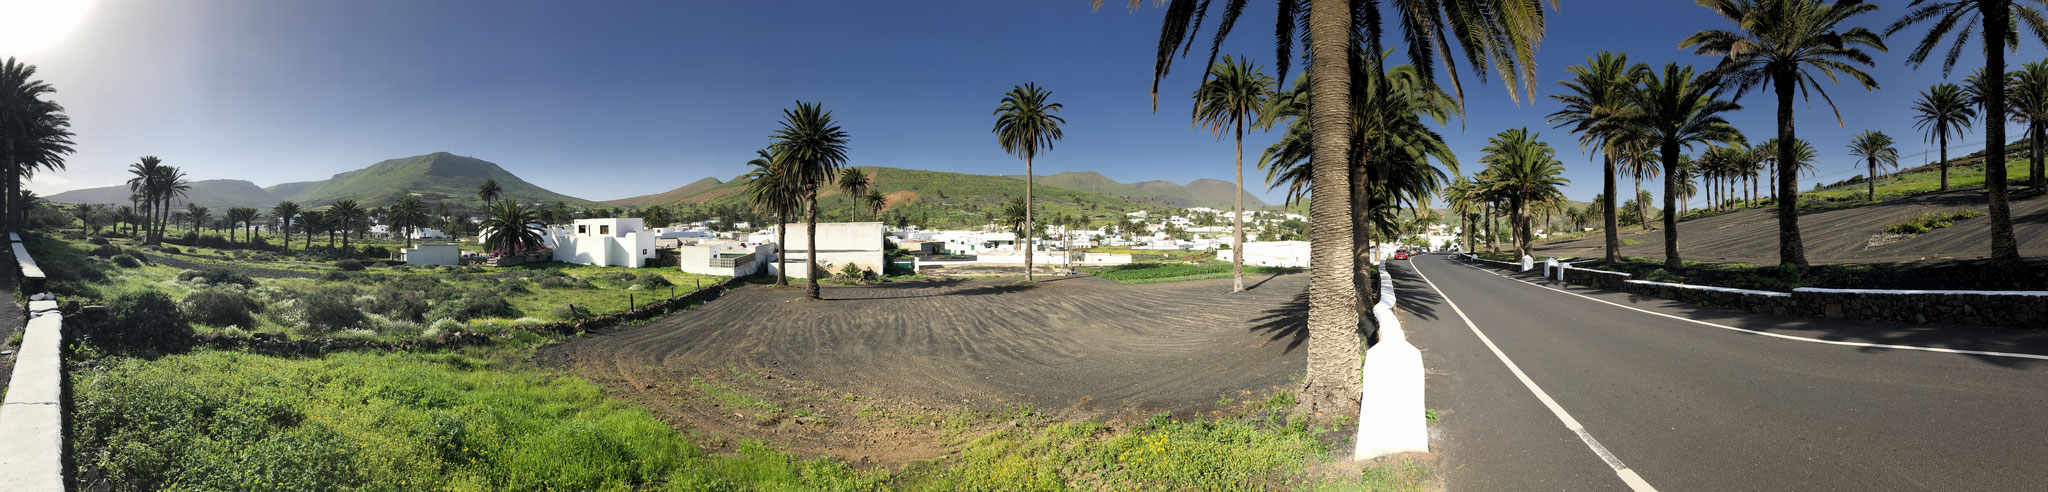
[[879, 374]]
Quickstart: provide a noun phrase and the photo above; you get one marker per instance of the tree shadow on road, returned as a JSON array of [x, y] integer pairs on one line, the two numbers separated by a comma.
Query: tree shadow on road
[[1289, 320]]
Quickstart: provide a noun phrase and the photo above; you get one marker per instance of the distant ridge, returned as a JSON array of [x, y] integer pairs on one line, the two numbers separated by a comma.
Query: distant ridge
[[439, 176]]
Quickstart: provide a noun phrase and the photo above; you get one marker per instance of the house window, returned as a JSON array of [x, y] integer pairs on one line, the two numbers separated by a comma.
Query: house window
[[582, 229], [604, 230], [643, 251]]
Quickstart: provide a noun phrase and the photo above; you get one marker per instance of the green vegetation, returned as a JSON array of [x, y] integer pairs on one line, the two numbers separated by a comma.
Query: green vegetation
[[1149, 273], [1931, 221], [931, 198], [1969, 275], [1968, 173]]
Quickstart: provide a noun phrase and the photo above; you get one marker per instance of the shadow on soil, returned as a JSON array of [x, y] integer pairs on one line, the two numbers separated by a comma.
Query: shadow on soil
[[1289, 321]]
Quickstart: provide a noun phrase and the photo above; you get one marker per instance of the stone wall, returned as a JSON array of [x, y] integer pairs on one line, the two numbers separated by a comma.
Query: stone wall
[[1756, 301], [1595, 278], [1995, 308]]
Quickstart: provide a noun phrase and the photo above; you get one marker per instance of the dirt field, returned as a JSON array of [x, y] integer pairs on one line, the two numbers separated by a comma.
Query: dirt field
[[890, 374], [1832, 236]]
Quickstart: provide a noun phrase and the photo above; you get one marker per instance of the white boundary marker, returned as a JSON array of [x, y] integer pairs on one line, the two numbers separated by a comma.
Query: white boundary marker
[[1392, 414], [1634, 481], [1775, 335]]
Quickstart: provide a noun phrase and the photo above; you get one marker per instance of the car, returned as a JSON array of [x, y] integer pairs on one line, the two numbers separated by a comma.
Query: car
[[1401, 254]]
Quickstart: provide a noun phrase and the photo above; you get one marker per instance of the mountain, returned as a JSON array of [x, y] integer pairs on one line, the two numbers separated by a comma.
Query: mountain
[[220, 193], [670, 196], [1210, 193], [436, 176]]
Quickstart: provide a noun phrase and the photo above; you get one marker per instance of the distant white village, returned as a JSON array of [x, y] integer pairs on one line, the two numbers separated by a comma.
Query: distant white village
[[738, 249]]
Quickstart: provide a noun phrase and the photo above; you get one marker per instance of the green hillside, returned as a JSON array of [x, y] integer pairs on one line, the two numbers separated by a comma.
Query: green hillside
[[221, 193], [938, 198], [436, 176], [1198, 193]]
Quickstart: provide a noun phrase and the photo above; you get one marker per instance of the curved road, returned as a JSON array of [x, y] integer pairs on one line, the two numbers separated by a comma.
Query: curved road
[[1661, 402]]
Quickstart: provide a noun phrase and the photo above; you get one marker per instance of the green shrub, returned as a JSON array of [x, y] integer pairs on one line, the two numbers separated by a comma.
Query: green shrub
[[98, 240], [106, 250], [172, 249], [378, 252], [397, 302], [125, 261], [348, 265], [650, 281], [219, 307], [321, 312], [572, 312], [146, 318], [474, 304], [217, 276], [1931, 221]]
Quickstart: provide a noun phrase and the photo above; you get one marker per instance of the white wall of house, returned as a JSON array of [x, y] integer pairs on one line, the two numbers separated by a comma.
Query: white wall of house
[[432, 254], [698, 258], [621, 242], [839, 243], [1271, 253]]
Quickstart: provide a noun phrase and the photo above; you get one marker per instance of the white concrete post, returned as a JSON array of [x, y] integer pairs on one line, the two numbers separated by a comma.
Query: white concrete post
[[1550, 269], [1391, 416], [1528, 263]]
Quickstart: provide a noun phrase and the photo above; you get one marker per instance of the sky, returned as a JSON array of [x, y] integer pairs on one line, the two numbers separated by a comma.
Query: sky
[[611, 99]]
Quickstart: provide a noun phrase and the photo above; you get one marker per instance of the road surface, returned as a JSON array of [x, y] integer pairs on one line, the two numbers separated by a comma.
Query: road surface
[[1664, 403]]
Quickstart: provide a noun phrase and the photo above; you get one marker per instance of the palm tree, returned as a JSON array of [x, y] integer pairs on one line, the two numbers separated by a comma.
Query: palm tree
[[285, 211], [1526, 171], [510, 228], [2002, 19], [198, 215], [1597, 99], [489, 191], [310, 221], [1025, 125], [855, 185], [2029, 99], [1639, 160], [1943, 111], [144, 184], [875, 202], [1679, 111], [769, 191], [346, 216], [810, 147], [171, 184], [35, 132], [1234, 93], [407, 215], [1501, 33], [1783, 43], [1875, 148]]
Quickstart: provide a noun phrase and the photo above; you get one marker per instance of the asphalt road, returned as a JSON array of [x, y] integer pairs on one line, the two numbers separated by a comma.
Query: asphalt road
[[1689, 406]]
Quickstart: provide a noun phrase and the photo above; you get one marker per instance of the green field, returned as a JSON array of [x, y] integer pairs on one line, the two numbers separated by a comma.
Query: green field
[[1150, 273], [1922, 181]]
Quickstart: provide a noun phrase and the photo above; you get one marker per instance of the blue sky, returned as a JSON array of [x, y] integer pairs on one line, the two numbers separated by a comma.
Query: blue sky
[[611, 99]]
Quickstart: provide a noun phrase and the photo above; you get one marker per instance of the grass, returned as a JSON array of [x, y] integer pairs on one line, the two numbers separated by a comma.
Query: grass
[[399, 421], [1931, 221], [1148, 273], [1922, 181], [233, 421]]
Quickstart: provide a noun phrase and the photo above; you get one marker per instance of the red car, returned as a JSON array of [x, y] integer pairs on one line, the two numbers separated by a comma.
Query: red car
[[1401, 254]]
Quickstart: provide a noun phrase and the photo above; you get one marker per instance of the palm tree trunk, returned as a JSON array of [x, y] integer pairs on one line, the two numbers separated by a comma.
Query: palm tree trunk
[[1237, 243], [782, 248], [1607, 207], [1331, 386], [1362, 230], [1791, 250], [1942, 137], [1642, 209], [2005, 248], [2035, 135], [1670, 152], [1023, 237], [811, 249], [1873, 178]]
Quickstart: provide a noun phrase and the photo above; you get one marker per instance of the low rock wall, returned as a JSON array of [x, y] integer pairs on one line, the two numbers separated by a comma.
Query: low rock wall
[[2023, 309], [1756, 301]]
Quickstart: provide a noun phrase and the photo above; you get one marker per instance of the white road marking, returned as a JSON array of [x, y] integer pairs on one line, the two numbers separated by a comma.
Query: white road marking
[[1634, 481], [1766, 333]]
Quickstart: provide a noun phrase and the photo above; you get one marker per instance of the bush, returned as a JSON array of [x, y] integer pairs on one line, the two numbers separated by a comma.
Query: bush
[[125, 260], [172, 249], [97, 240], [474, 304], [572, 312], [217, 276], [1931, 221], [377, 252], [348, 265], [146, 318], [106, 251], [219, 307], [398, 303], [649, 281], [322, 312]]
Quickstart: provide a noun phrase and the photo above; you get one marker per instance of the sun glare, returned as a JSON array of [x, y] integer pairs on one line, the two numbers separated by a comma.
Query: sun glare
[[27, 26]]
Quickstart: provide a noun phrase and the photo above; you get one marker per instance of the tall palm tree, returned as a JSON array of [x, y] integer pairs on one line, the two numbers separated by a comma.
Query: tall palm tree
[[1679, 111], [1234, 93], [1527, 172], [1597, 97], [1876, 149], [198, 215], [2028, 94], [1944, 111], [171, 184], [1503, 34], [34, 134], [2002, 19], [855, 185], [310, 221], [285, 211], [1639, 160], [144, 183], [489, 191], [811, 147], [1026, 124], [1784, 43], [511, 228], [875, 202], [770, 191], [408, 214], [345, 216]]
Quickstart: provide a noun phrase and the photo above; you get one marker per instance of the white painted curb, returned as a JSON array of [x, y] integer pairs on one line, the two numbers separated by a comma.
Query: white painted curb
[[31, 421], [1390, 410]]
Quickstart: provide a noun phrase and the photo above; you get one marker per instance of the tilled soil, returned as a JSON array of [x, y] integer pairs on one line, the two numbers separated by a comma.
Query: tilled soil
[[1834, 236], [881, 374]]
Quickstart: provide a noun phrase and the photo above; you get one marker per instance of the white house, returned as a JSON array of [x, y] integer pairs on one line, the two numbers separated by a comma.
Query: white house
[[839, 244], [974, 243], [433, 254], [728, 258], [605, 242], [1271, 253]]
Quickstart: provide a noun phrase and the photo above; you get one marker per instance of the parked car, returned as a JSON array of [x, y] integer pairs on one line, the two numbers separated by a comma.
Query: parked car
[[1401, 254]]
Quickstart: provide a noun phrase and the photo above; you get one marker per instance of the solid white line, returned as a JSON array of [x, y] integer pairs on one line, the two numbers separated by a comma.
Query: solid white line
[[1634, 481], [1769, 334]]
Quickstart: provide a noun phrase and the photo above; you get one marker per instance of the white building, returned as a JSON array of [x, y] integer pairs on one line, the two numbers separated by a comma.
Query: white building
[[839, 244], [426, 233], [728, 258], [435, 254], [1271, 253], [605, 242]]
